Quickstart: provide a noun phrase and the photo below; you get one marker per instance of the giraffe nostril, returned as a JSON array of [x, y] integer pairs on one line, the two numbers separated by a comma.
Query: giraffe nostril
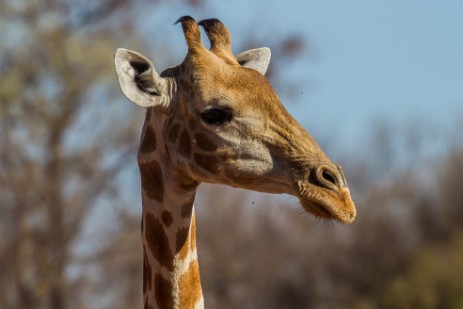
[[328, 177]]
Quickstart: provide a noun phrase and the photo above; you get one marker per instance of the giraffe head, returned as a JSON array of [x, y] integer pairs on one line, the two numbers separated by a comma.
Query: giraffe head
[[218, 120]]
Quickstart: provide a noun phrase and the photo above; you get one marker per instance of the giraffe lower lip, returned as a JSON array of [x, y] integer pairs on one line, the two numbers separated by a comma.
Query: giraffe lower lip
[[317, 210], [323, 210], [318, 201]]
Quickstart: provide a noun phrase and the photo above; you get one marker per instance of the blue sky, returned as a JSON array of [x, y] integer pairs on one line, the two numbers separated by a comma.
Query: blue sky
[[400, 61]]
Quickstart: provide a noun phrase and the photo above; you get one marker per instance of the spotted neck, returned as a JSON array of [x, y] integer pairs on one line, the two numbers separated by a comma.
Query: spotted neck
[[170, 263]]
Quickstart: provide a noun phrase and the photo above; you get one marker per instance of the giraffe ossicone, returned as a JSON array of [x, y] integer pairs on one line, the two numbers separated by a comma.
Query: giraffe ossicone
[[215, 118]]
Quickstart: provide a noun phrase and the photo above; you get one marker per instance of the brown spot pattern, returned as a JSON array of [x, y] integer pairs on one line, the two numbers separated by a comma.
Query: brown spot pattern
[[151, 180], [188, 186], [209, 163], [185, 145], [148, 114], [204, 142], [174, 132], [149, 141], [197, 171], [147, 306], [141, 224], [147, 272], [170, 122], [192, 123], [163, 292], [167, 218], [186, 209], [181, 243], [185, 85], [158, 242], [189, 286]]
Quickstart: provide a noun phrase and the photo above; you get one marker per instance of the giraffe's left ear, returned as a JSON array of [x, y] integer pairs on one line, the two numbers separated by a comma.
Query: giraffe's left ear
[[140, 82], [257, 59]]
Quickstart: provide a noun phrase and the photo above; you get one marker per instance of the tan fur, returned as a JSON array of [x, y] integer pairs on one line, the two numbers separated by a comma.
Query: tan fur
[[190, 289], [182, 243]]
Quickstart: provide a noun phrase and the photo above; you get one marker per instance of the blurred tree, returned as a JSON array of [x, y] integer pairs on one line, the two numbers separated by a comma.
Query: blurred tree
[[433, 281], [57, 159], [450, 190]]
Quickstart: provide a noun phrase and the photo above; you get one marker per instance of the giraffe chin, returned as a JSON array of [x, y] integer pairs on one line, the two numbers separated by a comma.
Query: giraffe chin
[[317, 210], [328, 205], [325, 212]]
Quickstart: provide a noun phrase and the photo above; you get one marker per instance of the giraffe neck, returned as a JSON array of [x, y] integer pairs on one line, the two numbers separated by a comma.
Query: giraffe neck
[[170, 263]]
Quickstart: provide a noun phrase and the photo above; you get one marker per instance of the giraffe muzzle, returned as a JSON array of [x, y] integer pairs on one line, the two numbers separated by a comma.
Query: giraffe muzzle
[[325, 194]]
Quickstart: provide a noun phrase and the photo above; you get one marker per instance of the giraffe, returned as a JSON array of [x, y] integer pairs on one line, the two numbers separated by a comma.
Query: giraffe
[[214, 118]]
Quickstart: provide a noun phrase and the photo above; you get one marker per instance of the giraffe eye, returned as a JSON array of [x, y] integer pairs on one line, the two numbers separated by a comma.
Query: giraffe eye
[[216, 116]]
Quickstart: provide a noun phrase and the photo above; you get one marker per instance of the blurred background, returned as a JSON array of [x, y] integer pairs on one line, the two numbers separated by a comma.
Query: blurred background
[[378, 84]]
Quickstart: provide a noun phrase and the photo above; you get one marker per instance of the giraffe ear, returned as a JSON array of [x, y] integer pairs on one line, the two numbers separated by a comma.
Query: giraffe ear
[[257, 59], [140, 82]]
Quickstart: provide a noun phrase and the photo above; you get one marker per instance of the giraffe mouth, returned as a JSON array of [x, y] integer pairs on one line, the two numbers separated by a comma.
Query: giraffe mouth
[[327, 204], [317, 209]]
